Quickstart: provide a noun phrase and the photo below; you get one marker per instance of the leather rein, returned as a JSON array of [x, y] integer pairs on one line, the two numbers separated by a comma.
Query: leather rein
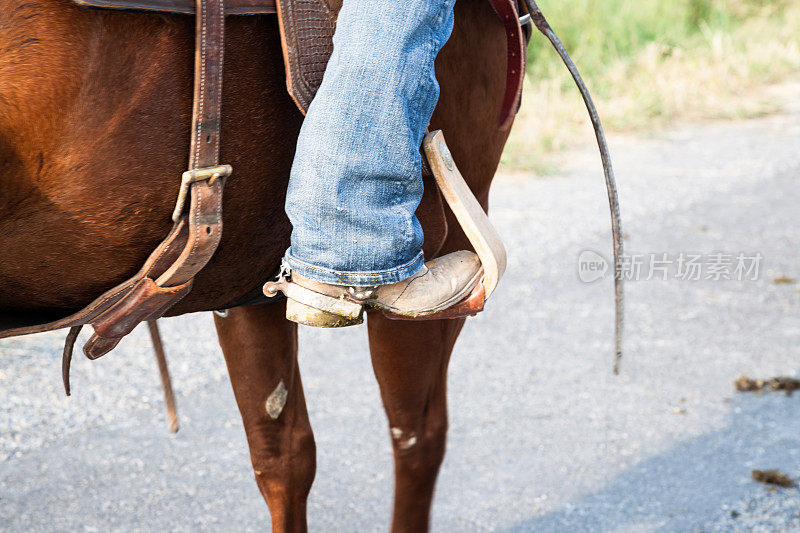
[[608, 171]]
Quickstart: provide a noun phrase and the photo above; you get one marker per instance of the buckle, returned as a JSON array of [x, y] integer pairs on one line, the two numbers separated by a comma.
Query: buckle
[[210, 174]]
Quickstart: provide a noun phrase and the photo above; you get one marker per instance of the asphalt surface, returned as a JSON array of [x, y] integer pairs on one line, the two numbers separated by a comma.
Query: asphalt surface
[[543, 437]]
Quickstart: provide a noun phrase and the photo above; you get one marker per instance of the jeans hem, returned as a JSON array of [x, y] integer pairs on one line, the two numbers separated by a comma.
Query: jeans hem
[[357, 278]]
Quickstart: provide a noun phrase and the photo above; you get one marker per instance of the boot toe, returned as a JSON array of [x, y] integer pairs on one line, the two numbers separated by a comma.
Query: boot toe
[[447, 281]]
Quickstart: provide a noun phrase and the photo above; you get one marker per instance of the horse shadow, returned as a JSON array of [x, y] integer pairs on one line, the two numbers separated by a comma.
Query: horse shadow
[[700, 484]]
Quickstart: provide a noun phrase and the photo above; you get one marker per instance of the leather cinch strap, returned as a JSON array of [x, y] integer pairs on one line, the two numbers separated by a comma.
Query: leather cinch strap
[[169, 271]]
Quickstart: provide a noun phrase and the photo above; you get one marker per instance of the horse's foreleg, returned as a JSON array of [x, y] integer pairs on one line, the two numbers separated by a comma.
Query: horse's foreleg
[[410, 362], [260, 348]]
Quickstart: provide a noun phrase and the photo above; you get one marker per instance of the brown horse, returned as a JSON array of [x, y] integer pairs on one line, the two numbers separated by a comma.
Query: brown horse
[[95, 109]]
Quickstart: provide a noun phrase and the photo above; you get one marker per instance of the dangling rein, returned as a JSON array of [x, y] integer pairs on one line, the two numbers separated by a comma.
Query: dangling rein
[[613, 201]]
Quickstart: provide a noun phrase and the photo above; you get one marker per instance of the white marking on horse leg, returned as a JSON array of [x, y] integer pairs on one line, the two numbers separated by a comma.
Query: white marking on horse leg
[[403, 444], [408, 443], [276, 401]]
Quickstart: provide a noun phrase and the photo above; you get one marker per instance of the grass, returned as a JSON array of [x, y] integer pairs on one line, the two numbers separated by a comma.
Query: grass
[[649, 63]]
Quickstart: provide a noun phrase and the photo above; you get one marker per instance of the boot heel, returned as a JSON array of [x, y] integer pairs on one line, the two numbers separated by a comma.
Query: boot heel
[[310, 316]]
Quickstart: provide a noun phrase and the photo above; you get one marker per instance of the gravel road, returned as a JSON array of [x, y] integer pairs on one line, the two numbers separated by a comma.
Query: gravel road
[[543, 437]]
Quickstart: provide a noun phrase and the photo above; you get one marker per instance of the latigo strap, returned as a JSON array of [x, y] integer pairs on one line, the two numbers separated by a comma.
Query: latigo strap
[[196, 234]]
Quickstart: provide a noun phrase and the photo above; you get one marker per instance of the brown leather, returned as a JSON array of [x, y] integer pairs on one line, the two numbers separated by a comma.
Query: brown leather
[[187, 7], [205, 210], [196, 234], [66, 356], [307, 28], [145, 301]]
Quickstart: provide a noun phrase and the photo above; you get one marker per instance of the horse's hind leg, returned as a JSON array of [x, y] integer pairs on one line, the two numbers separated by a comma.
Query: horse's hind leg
[[260, 348], [410, 362]]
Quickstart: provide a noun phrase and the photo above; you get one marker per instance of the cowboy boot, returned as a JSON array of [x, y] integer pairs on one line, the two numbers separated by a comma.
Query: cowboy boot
[[442, 283]]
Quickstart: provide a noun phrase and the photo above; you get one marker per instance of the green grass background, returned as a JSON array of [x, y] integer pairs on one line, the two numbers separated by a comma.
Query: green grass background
[[651, 62]]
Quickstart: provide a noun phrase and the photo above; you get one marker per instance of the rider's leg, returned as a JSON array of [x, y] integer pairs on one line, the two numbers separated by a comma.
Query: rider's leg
[[356, 179]]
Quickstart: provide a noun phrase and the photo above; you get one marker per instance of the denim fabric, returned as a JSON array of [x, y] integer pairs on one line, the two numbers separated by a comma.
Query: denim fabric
[[356, 179]]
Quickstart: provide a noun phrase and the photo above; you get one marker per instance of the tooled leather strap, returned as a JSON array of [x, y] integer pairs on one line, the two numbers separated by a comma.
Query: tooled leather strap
[[169, 271], [307, 29]]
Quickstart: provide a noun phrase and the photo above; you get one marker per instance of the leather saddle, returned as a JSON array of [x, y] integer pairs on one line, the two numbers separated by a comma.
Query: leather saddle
[[307, 28]]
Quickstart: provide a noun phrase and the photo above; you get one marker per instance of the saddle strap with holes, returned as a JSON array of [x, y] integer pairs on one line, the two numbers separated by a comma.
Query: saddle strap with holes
[[170, 270], [516, 47]]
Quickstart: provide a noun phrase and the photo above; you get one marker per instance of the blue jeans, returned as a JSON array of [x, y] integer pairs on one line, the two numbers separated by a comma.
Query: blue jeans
[[356, 180]]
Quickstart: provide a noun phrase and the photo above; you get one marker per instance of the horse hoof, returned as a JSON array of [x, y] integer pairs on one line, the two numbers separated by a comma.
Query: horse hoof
[[310, 316]]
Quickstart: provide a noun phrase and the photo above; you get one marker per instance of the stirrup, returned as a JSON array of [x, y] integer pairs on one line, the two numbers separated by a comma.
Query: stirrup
[[305, 306], [473, 221]]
